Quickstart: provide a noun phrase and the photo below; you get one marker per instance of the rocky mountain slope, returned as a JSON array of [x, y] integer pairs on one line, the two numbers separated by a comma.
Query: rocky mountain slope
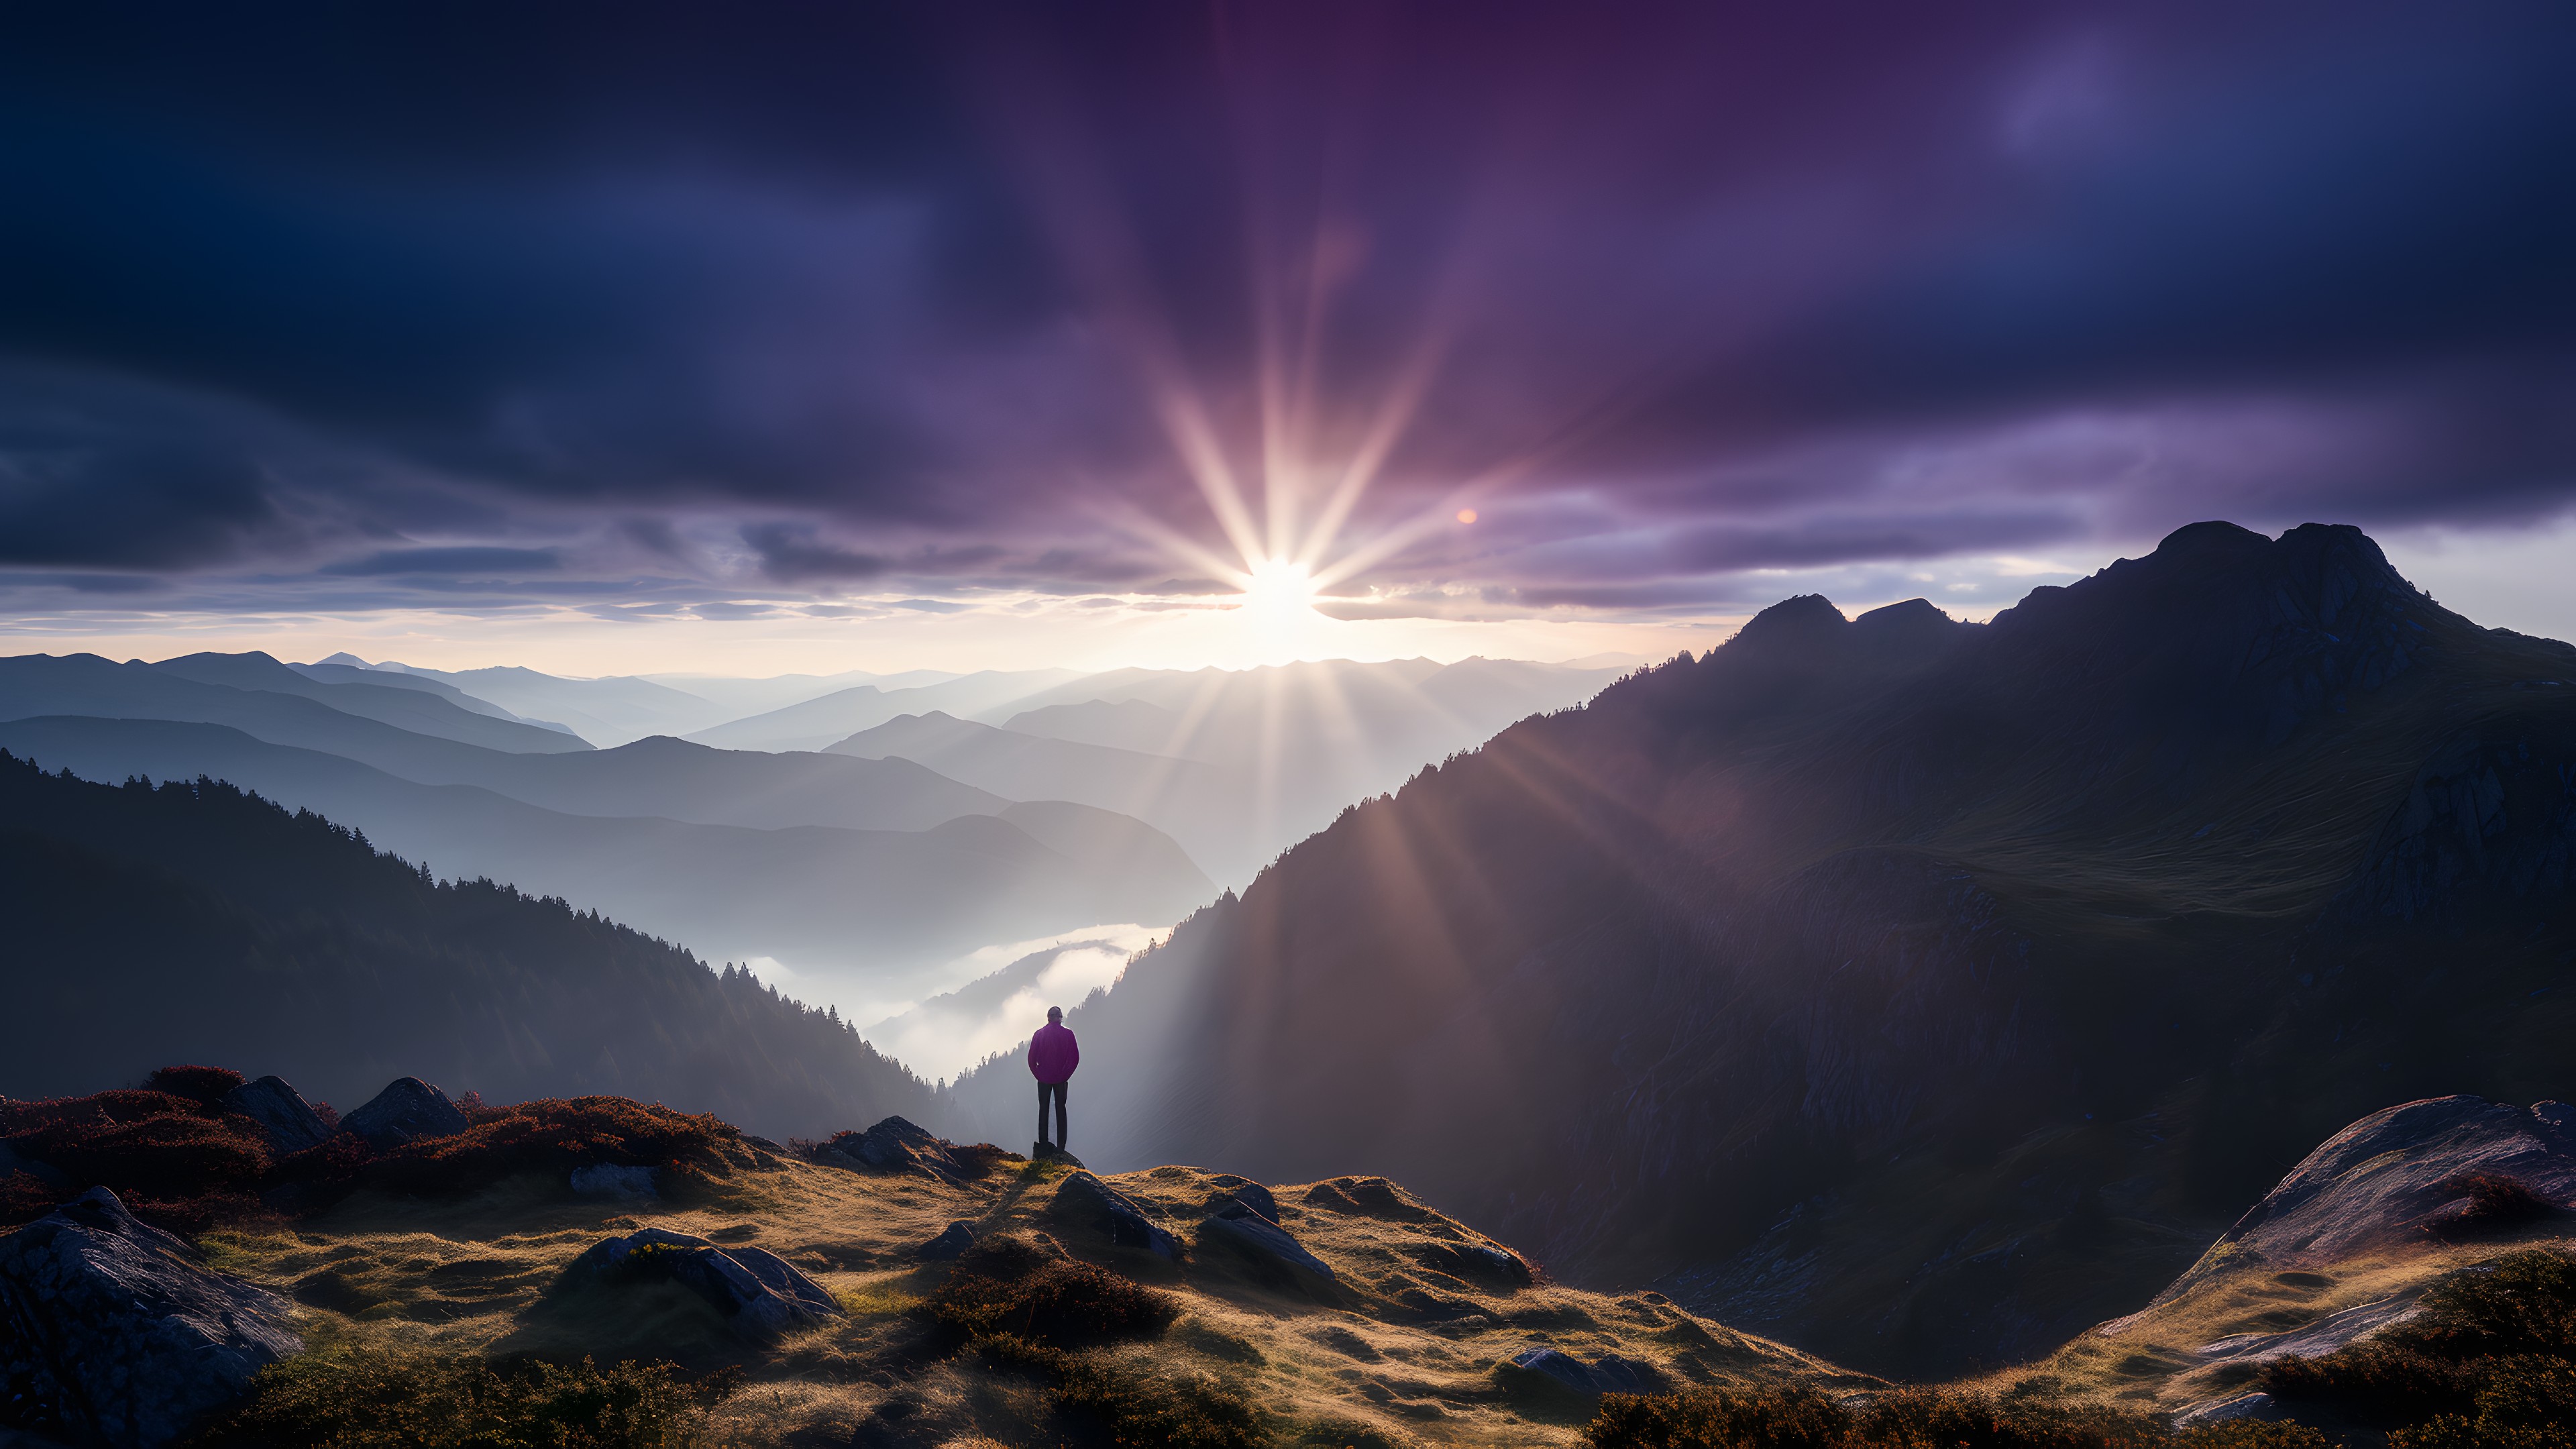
[[2343, 1252], [1918, 991]]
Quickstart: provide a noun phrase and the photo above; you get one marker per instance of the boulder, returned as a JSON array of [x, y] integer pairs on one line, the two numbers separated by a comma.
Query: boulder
[[115, 1334], [1247, 1232], [1609, 1374], [956, 1239], [1085, 1201], [2257, 1405], [608, 1179], [895, 1145], [1475, 1260], [2401, 1173], [406, 1110], [1247, 1192], [757, 1292], [281, 1112], [1049, 1152]]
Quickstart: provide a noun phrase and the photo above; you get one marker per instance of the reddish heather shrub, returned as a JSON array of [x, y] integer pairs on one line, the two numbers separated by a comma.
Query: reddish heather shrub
[[478, 1110], [175, 1160], [2490, 1201], [1004, 1287], [555, 1135], [319, 1176], [24, 1198], [204, 1085]]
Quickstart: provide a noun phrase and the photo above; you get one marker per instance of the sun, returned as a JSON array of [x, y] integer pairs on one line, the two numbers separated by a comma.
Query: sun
[[1279, 589]]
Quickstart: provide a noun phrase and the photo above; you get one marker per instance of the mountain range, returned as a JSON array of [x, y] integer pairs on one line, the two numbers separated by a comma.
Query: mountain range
[[861, 875], [188, 921], [1918, 991], [1236, 765]]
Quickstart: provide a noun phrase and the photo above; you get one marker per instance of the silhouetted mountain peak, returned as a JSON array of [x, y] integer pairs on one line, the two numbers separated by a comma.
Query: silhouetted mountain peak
[[1800, 621]]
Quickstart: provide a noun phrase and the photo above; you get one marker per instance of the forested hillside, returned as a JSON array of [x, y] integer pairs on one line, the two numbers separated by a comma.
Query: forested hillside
[[193, 921]]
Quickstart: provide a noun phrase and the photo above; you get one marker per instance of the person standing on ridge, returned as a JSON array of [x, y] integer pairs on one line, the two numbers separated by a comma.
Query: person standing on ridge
[[1053, 1055]]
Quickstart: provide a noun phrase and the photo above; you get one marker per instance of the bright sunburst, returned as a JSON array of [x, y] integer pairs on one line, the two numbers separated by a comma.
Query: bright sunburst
[[1279, 588]]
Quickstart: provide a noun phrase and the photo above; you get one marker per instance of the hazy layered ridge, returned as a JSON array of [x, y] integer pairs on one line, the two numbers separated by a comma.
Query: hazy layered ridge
[[1236, 765], [860, 914], [1921, 990], [810, 724], [182, 924], [382, 724]]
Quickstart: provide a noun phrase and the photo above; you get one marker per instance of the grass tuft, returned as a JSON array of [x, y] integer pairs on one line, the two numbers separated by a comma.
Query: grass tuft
[[1802, 1418], [378, 1400], [1003, 1287]]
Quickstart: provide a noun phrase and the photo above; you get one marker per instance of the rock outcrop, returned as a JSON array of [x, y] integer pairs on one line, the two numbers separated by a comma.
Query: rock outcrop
[[1609, 1374], [895, 1145], [1083, 1200], [407, 1109], [289, 1121], [118, 1335], [611, 1180], [953, 1240], [2435, 1166], [1238, 1227], [759, 1294]]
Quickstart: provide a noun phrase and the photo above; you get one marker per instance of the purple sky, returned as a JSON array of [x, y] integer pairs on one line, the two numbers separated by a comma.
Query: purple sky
[[478, 325]]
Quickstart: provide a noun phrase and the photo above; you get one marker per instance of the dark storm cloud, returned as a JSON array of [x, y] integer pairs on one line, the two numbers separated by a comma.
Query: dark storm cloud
[[790, 553], [844, 296], [469, 560]]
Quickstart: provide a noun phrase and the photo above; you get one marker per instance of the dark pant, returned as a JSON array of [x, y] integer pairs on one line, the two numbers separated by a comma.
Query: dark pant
[[1057, 1090]]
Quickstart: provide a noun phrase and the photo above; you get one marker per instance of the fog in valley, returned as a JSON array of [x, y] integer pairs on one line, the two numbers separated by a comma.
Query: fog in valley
[[934, 857]]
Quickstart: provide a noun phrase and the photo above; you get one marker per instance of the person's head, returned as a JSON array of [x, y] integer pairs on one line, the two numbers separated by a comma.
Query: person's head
[[1055, 1016]]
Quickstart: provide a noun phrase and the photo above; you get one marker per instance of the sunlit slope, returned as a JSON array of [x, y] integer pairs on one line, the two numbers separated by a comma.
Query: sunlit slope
[[1922, 991], [1406, 1345]]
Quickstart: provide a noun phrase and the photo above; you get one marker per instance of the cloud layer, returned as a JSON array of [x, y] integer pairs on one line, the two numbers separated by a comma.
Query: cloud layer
[[703, 310]]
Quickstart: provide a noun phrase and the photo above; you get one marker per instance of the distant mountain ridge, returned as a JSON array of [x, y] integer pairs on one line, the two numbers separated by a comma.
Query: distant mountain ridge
[[186, 922], [944, 870], [254, 692], [1921, 991]]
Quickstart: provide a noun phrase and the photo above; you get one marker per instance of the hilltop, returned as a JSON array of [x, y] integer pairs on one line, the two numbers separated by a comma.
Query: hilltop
[[877, 1287]]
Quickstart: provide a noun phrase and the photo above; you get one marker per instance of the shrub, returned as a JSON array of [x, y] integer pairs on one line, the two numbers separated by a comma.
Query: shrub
[[1004, 1287], [1787, 1418], [174, 1160], [1797, 1417], [203, 1085], [1140, 1410], [2491, 1202], [1101, 1404], [2253, 1434], [2524, 1402], [2479, 1347], [2390, 1382], [375, 1400], [556, 1135], [1972, 1421]]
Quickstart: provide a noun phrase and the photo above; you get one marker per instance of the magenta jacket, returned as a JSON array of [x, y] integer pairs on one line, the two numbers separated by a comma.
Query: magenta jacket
[[1052, 1054]]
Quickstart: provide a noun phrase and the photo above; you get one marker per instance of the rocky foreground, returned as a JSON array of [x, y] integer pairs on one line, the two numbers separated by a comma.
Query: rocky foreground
[[211, 1262], [883, 1287]]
